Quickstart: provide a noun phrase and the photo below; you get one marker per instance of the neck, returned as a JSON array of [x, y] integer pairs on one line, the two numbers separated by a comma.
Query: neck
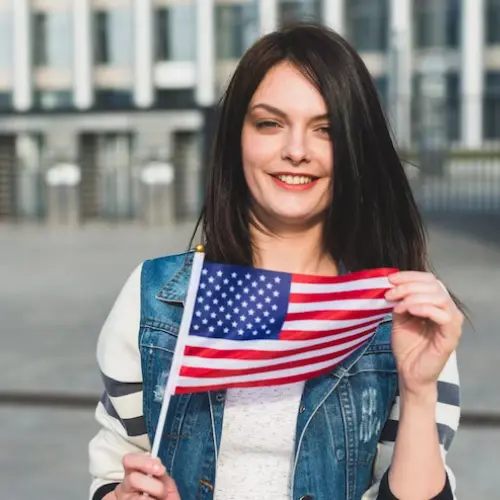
[[292, 250]]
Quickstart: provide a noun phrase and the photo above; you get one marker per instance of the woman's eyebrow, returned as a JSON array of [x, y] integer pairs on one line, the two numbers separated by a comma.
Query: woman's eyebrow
[[279, 112]]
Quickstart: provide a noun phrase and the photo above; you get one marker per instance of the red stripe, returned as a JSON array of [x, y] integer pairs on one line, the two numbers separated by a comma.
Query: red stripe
[[196, 372], [375, 293], [254, 354], [312, 335], [255, 383], [343, 314], [381, 272]]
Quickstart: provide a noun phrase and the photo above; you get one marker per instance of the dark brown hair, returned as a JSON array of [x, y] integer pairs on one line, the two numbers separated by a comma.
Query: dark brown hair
[[373, 220]]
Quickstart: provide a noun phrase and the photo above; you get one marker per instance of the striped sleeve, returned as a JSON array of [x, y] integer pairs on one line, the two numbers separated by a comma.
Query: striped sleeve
[[447, 421], [119, 412]]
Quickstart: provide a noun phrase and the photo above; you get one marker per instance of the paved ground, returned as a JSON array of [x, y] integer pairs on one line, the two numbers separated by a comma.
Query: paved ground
[[56, 287]]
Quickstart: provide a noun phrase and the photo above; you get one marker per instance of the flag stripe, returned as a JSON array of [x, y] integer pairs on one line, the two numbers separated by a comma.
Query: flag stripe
[[336, 315], [261, 379], [380, 272], [272, 347], [193, 371], [348, 286], [233, 361], [299, 335], [322, 326], [374, 293]]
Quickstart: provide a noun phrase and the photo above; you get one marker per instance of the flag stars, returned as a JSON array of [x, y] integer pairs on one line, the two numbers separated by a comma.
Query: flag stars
[[254, 284], [225, 281], [248, 276], [211, 279], [269, 286], [262, 277], [234, 275], [277, 279], [219, 274]]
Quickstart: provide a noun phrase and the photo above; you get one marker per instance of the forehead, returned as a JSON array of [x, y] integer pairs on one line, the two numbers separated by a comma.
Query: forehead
[[286, 88]]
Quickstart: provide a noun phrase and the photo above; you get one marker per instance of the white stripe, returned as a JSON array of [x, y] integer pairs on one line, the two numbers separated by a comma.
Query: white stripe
[[450, 371], [445, 414], [268, 345], [339, 305], [129, 406], [235, 364], [321, 325], [301, 370], [362, 284]]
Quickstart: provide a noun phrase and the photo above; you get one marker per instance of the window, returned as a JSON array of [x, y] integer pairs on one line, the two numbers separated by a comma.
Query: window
[[299, 10], [368, 24], [491, 105], [237, 26], [53, 99], [437, 23], [113, 37], [175, 32], [493, 22], [113, 99], [53, 39]]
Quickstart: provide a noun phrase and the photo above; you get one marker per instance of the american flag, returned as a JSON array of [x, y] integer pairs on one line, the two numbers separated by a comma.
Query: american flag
[[252, 327]]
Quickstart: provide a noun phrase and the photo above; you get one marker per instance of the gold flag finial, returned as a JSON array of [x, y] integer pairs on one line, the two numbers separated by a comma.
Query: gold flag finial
[[199, 249]]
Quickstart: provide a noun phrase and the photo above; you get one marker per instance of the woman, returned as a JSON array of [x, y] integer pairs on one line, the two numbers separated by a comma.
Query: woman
[[304, 179]]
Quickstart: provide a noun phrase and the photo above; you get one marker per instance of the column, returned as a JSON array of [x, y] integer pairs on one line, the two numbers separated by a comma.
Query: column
[[334, 15], [144, 56], [23, 82], [83, 60], [400, 69], [472, 72], [268, 16], [205, 52]]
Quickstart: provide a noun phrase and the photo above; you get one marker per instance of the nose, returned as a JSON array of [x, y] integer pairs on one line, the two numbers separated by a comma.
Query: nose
[[295, 149]]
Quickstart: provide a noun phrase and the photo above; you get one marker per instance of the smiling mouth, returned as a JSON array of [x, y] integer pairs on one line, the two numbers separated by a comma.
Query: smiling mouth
[[295, 180]]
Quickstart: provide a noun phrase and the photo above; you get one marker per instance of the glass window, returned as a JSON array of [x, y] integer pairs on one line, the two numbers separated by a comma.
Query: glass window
[[6, 39], [453, 106], [237, 27], [491, 115], [113, 99], [53, 99], [493, 22], [437, 23], [299, 10], [175, 32], [113, 44], [53, 39], [368, 24], [6, 103]]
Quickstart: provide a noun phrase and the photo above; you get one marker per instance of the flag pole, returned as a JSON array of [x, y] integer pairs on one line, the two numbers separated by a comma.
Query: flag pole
[[187, 317]]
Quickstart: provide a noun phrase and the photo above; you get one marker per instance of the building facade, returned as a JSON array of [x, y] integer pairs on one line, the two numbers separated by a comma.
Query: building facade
[[113, 85]]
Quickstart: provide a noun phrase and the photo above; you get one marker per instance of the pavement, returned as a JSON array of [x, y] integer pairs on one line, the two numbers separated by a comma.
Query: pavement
[[58, 284]]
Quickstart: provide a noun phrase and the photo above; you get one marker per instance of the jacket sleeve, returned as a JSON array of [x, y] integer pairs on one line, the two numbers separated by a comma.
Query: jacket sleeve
[[447, 421], [119, 413]]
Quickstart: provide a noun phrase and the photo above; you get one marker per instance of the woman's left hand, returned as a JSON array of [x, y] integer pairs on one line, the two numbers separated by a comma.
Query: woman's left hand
[[426, 328]]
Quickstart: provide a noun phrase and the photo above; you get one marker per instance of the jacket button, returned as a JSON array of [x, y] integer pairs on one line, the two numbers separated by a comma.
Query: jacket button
[[306, 497], [220, 397]]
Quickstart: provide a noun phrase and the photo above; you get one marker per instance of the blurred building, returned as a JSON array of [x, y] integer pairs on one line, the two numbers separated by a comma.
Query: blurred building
[[113, 85]]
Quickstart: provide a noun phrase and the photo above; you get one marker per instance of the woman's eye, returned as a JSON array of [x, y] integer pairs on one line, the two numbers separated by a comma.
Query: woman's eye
[[325, 130], [267, 124]]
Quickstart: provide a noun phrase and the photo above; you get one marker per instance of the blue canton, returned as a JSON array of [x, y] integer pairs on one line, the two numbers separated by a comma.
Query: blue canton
[[240, 303]]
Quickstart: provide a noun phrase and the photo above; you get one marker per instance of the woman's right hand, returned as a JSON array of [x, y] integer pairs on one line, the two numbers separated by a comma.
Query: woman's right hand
[[144, 474]]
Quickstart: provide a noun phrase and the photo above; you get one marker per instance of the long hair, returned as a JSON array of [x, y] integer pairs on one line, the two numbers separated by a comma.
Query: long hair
[[373, 220]]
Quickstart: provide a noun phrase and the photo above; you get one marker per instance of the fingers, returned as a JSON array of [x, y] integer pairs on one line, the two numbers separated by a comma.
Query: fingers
[[423, 295], [143, 474]]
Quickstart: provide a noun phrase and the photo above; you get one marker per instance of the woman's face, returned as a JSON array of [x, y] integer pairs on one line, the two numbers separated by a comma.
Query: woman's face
[[286, 150]]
